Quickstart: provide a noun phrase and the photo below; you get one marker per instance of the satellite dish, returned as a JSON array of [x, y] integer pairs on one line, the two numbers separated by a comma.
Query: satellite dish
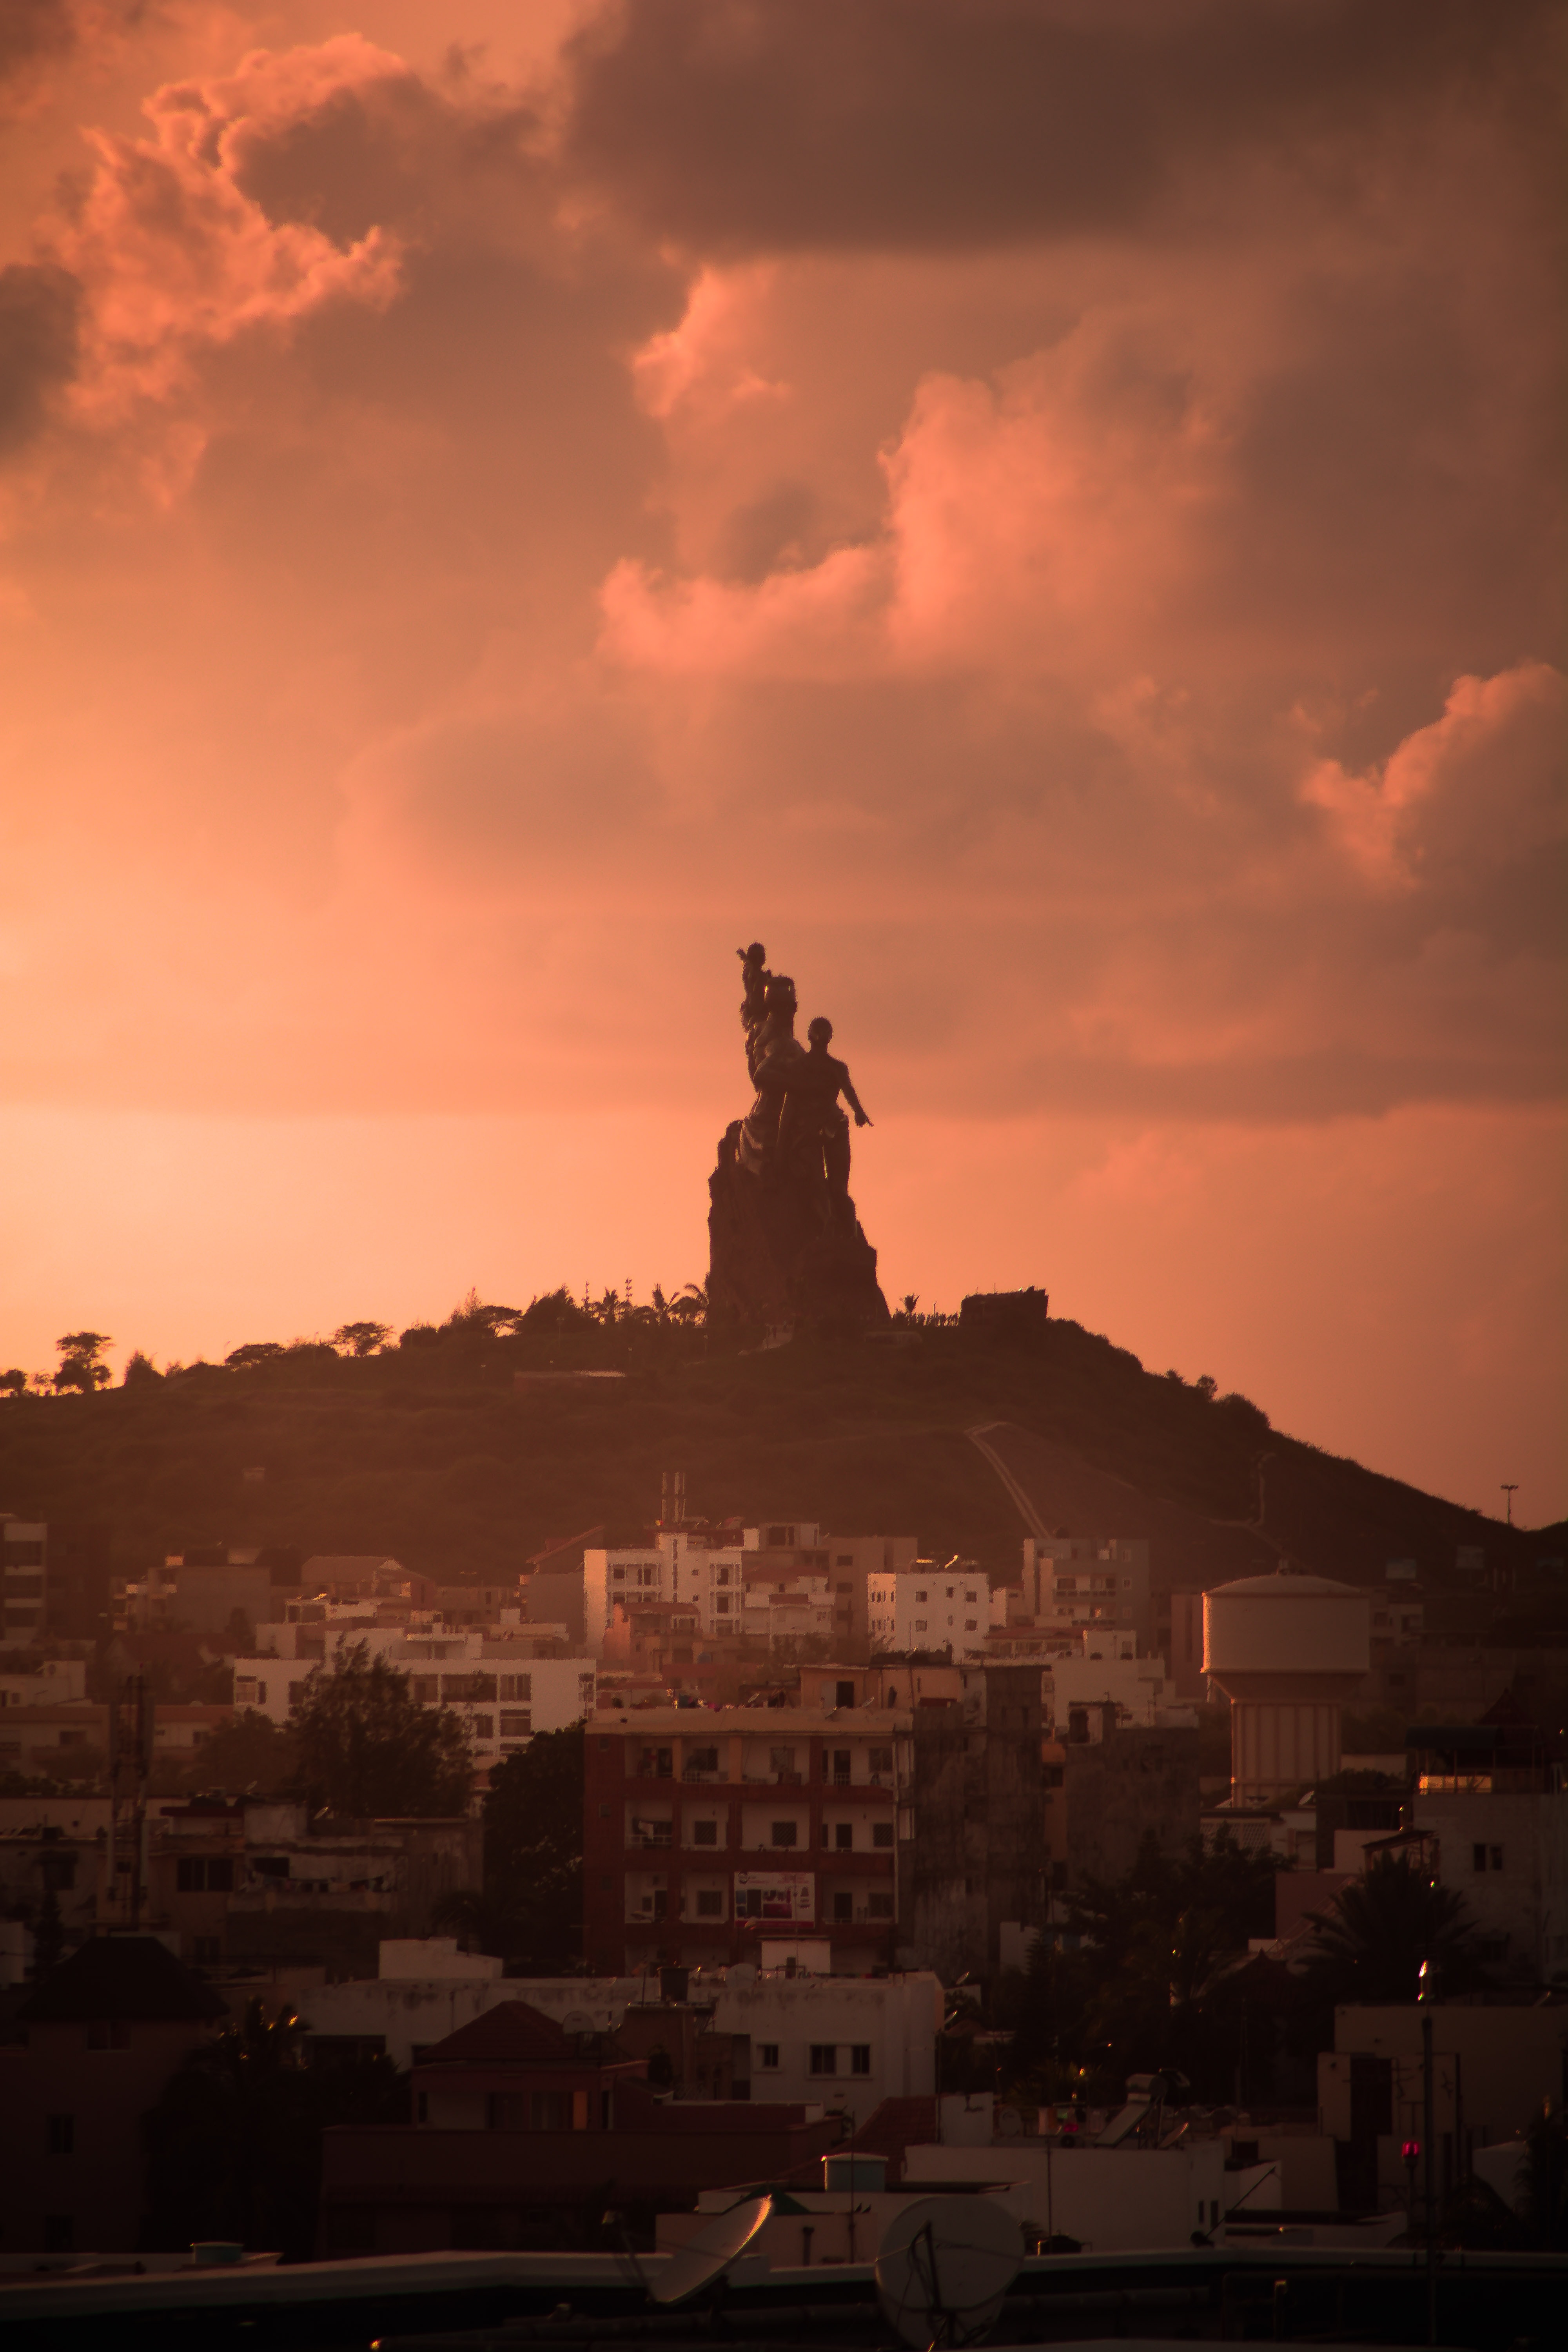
[[944, 2268], [708, 2255]]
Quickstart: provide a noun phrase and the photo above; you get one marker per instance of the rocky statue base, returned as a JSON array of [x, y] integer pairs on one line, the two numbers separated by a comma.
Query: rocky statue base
[[781, 1252]]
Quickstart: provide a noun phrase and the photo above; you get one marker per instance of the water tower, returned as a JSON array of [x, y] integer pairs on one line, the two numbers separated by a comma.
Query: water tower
[[1288, 1651]]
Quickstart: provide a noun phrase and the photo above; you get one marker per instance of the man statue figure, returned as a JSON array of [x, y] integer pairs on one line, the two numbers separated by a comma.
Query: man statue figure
[[811, 1124]]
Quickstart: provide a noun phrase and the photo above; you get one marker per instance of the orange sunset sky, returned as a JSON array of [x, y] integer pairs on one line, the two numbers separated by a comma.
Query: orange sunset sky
[[1042, 513]]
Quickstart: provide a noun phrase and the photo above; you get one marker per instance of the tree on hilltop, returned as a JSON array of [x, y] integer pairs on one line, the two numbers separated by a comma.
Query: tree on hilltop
[[82, 1366], [361, 1339]]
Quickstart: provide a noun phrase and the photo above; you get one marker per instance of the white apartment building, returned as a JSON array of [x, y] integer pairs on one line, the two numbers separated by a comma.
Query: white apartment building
[[501, 1689], [930, 1608], [781, 1580]]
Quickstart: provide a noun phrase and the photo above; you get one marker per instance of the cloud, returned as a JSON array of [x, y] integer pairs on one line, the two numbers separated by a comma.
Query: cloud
[[176, 256], [1482, 787], [40, 310], [747, 126]]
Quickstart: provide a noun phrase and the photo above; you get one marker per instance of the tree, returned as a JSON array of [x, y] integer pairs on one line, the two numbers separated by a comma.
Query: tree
[[532, 1907], [361, 1339], [367, 1747], [140, 1368], [251, 1756], [1371, 1945], [80, 1366], [1543, 2180], [14, 1380], [255, 1351], [234, 2144]]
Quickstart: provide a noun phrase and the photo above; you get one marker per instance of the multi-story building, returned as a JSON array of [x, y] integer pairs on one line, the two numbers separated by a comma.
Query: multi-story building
[[1084, 1580], [700, 1836], [928, 1607], [504, 1686], [849, 2041], [782, 1579], [24, 1581]]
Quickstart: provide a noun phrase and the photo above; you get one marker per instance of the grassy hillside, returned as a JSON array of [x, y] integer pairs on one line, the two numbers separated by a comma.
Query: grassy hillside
[[426, 1451]]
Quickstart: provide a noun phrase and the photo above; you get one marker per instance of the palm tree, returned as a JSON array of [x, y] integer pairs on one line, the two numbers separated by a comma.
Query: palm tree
[[1371, 1945]]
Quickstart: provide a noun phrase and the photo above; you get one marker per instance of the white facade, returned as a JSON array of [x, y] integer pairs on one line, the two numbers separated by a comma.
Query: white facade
[[503, 1693], [1136, 1687], [407, 2013], [676, 1567], [1109, 2198], [57, 1679], [845, 2041], [930, 1608]]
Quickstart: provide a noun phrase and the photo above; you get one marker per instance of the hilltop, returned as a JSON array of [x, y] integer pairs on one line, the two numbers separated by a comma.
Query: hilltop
[[428, 1450]]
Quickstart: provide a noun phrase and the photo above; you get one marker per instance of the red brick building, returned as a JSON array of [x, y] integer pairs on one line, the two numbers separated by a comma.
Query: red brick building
[[704, 1831]]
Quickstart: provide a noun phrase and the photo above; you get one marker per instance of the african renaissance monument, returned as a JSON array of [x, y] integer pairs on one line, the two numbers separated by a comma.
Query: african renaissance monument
[[783, 1237]]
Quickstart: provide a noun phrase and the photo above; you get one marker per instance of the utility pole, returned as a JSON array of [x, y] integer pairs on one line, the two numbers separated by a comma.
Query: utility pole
[[1426, 1993], [1510, 1577]]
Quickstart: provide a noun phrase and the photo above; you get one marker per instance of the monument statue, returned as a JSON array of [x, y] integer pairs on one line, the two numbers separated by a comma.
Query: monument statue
[[784, 1238]]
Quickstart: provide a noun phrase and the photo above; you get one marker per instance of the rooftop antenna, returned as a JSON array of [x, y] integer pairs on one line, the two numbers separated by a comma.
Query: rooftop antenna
[[1510, 1491], [945, 2269]]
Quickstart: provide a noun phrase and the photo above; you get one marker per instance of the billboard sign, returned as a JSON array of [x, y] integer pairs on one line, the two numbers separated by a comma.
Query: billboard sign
[[777, 1895]]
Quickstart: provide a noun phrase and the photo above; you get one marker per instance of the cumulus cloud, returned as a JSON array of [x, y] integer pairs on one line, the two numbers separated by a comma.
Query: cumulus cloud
[[175, 255]]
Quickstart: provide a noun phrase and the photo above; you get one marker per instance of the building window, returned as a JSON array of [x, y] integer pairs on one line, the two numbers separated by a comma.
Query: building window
[[882, 1833], [844, 1836], [704, 1832], [709, 1903], [61, 2134], [919, 1596], [517, 1723], [427, 1689], [204, 1874], [785, 1832], [702, 1759], [878, 1906], [768, 2056], [859, 2057], [919, 1624], [823, 2058], [484, 1727], [843, 1910], [515, 1687], [969, 1625], [618, 1575]]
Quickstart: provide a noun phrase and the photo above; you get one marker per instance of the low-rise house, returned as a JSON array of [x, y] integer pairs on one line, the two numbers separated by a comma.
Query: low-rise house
[[102, 2038], [848, 2041], [61, 1738], [525, 2133]]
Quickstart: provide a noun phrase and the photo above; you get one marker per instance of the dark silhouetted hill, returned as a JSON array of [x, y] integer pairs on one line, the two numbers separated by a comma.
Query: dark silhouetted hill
[[428, 1452]]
